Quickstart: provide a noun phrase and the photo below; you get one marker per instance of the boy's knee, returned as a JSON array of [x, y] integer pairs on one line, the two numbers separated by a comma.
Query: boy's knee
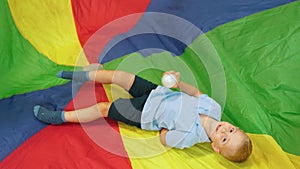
[[123, 79], [104, 108]]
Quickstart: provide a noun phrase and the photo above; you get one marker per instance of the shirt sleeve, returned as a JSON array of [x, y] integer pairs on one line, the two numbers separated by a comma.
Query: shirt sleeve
[[180, 139], [209, 107]]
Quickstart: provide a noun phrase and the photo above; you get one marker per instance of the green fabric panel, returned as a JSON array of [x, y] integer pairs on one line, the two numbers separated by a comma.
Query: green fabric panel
[[259, 55], [22, 68]]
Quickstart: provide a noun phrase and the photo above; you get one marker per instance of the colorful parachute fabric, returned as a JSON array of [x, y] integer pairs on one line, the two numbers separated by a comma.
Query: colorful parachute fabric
[[244, 54]]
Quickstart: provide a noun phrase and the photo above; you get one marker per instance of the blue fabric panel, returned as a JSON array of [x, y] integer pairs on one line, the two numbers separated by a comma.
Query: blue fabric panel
[[17, 121], [205, 14]]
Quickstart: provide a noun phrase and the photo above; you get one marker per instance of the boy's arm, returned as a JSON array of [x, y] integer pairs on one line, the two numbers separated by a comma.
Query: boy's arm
[[189, 89], [184, 87], [162, 135], [178, 139]]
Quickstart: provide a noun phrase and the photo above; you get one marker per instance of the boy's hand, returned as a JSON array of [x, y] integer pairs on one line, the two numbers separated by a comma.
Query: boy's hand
[[177, 77]]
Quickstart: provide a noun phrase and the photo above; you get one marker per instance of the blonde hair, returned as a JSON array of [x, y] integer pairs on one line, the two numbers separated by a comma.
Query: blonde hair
[[242, 152]]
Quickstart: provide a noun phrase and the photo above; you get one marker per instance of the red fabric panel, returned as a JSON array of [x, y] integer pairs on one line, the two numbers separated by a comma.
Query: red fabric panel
[[91, 15], [68, 145]]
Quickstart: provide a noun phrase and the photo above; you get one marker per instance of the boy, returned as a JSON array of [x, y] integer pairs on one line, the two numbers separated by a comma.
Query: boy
[[183, 118]]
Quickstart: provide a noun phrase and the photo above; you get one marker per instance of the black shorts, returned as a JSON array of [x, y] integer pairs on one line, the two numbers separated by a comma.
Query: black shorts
[[129, 110]]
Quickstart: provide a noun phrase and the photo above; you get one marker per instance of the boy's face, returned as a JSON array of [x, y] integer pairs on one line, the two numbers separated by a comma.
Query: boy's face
[[227, 137]]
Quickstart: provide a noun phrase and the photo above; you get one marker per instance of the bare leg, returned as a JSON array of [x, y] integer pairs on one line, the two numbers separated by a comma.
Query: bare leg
[[121, 78], [88, 114]]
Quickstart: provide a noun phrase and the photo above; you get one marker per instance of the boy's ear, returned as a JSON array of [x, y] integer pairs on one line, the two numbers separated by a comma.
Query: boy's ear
[[215, 148]]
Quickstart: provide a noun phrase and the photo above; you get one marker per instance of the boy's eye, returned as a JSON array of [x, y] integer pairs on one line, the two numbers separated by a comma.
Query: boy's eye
[[224, 139], [231, 130]]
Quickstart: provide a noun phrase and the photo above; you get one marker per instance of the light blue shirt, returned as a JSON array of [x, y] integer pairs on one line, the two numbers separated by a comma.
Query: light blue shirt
[[179, 113]]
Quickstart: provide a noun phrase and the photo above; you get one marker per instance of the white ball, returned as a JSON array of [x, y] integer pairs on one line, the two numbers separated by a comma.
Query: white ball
[[168, 80]]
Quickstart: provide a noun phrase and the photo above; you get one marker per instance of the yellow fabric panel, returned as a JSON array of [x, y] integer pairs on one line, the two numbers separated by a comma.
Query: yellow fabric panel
[[145, 150], [295, 160], [49, 26], [266, 153]]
